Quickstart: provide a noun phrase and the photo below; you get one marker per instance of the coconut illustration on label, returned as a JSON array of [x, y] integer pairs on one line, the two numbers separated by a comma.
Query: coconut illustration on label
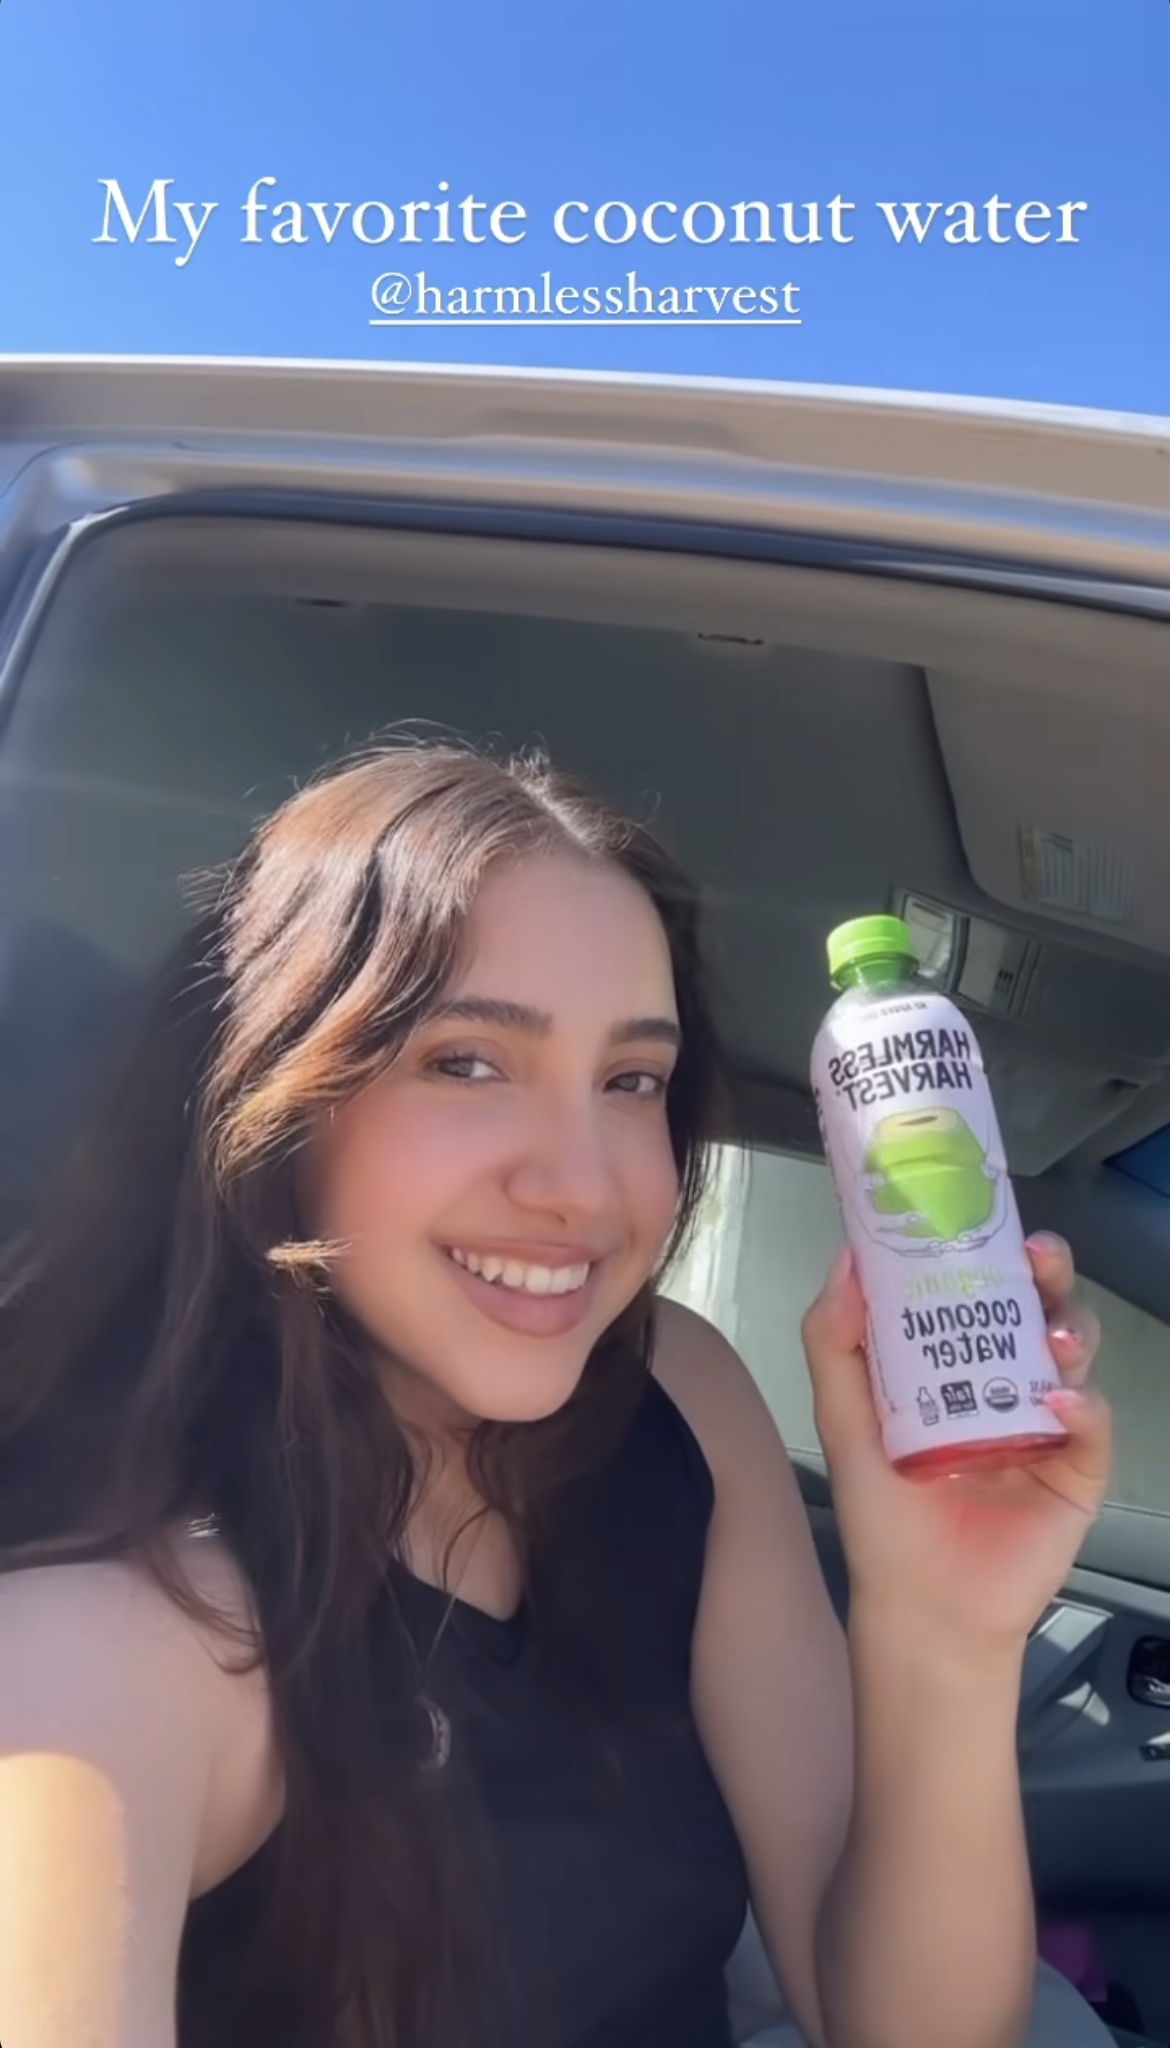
[[955, 1326], [929, 1175]]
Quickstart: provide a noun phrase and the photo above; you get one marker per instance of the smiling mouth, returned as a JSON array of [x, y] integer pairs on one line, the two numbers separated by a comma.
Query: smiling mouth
[[520, 1277]]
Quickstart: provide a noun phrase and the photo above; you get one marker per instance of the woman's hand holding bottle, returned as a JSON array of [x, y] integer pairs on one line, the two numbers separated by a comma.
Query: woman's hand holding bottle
[[976, 1558]]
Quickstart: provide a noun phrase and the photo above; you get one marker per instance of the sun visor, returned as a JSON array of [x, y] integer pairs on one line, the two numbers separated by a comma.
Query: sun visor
[[1048, 1101], [1060, 775], [1072, 1038]]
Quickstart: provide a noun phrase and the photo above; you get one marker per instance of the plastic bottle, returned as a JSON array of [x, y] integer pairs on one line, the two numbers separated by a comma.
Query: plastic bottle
[[957, 1342]]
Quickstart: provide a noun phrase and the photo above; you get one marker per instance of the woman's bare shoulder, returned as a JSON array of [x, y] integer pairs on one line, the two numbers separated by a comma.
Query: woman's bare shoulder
[[100, 1611], [101, 1663], [136, 1770], [707, 1379]]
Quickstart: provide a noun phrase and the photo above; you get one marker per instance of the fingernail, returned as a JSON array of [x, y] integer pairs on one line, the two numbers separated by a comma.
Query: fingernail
[[1067, 1333], [1047, 1245], [1064, 1400]]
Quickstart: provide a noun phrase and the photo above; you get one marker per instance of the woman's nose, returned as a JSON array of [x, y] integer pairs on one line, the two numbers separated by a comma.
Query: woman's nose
[[566, 1165]]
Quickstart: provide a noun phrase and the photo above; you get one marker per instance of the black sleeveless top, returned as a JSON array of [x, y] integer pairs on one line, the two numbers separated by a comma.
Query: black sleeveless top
[[617, 1881]]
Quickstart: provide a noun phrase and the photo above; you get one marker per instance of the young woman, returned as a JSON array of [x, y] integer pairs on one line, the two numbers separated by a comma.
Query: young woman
[[411, 1630]]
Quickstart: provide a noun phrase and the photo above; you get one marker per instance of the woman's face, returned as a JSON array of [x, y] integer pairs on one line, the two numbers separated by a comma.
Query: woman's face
[[506, 1189]]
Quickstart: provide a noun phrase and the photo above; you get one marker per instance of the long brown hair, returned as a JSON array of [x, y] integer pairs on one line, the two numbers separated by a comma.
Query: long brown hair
[[170, 1351]]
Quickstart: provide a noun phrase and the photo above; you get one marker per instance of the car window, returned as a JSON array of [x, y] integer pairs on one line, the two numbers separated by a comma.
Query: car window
[[762, 1247], [768, 1231]]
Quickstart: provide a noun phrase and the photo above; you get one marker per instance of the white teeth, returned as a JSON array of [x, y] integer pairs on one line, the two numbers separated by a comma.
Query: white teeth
[[523, 1279], [538, 1280], [568, 1278]]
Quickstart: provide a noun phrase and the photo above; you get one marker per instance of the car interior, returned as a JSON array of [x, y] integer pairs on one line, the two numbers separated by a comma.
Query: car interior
[[814, 744]]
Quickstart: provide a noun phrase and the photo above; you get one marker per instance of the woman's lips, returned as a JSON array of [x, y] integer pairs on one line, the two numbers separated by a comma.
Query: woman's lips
[[533, 1315]]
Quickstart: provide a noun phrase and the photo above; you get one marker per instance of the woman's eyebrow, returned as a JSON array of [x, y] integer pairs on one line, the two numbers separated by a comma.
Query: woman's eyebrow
[[493, 1010], [509, 1016], [662, 1029]]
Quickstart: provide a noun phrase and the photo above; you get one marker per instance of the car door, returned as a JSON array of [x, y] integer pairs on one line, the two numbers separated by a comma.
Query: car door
[[857, 650]]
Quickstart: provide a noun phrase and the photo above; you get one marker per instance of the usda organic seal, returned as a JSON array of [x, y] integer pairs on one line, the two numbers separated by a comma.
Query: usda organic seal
[[1002, 1395]]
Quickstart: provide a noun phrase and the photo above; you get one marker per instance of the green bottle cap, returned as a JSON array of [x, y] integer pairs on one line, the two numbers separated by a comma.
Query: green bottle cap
[[868, 938]]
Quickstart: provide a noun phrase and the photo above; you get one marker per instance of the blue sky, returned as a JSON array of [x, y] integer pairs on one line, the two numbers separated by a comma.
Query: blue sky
[[537, 102]]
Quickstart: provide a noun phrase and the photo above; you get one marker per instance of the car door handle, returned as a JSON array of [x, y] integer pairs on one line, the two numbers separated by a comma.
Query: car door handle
[[1148, 1677], [1064, 1641]]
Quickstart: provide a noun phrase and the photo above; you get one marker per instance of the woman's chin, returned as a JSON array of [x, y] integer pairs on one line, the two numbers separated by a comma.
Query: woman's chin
[[510, 1392], [507, 1401]]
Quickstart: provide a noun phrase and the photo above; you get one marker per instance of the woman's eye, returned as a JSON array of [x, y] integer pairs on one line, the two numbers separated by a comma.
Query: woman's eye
[[643, 1084], [462, 1066]]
